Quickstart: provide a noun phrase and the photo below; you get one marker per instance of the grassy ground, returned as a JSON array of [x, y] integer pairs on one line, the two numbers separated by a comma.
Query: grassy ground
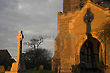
[[40, 71]]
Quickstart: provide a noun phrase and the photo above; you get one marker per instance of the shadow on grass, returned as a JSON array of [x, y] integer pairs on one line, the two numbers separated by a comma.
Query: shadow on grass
[[40, 71]]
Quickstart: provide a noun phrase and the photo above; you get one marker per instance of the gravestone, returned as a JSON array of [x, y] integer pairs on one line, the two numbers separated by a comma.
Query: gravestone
[[2, 69], [41, 67]]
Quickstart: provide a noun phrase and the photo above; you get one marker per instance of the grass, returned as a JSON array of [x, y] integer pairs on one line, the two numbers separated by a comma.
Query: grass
[[40, 71]]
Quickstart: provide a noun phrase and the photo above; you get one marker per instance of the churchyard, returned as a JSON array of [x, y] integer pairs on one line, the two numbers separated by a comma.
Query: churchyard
[[81, 45], [19, 66]]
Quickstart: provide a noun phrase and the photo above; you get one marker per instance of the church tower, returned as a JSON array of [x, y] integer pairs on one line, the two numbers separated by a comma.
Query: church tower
[[70, 5]]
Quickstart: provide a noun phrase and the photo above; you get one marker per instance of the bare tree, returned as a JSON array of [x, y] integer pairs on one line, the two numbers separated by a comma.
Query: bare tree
[[36, 57], [34, 42]]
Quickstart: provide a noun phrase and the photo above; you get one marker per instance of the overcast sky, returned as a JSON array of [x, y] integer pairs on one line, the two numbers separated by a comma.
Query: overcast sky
[[34, 17]]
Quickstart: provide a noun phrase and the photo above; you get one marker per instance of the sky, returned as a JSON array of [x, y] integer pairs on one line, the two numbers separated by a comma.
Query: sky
[[34, 17]]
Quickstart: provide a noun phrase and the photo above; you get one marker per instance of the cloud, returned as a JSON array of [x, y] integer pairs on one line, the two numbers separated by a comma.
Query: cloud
[[34, 17]]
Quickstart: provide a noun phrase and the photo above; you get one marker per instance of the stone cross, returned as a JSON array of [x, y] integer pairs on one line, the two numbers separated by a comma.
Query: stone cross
[[16, 68], [19, 48], [88, 18]]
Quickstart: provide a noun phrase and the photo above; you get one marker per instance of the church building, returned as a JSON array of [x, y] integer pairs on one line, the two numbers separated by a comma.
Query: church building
[[82, 44]]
